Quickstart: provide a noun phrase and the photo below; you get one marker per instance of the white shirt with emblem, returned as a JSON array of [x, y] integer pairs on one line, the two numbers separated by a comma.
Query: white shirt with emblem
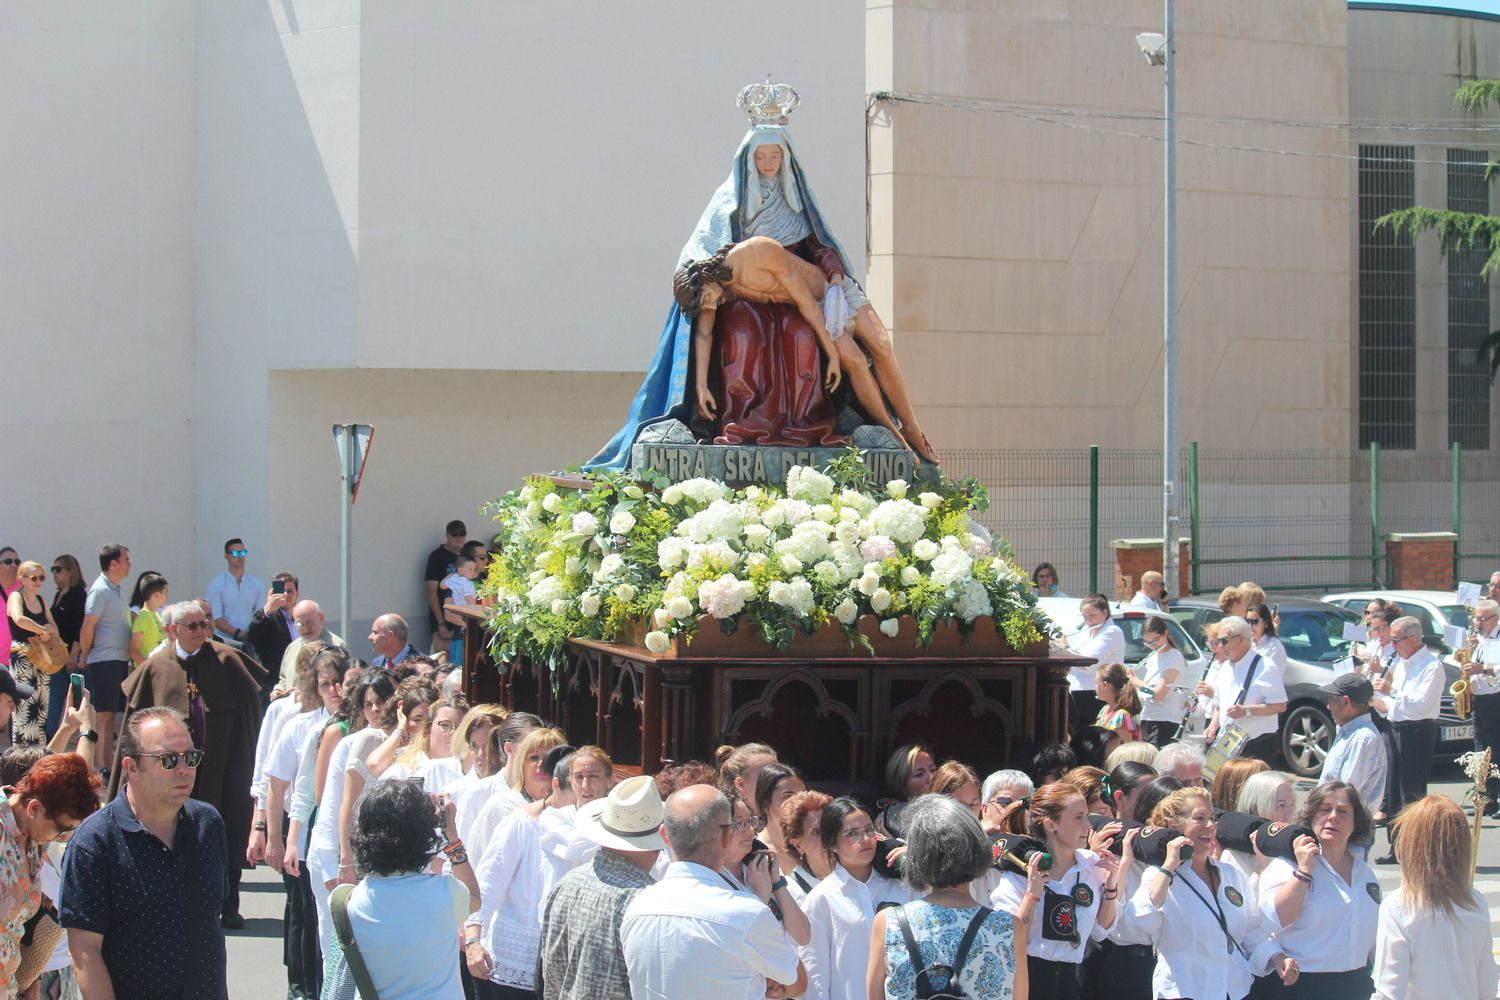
[[1335, 932], [1083, 881]]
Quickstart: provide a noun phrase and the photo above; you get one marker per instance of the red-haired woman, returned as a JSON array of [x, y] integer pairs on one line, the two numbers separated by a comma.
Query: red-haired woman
[[57, 794]]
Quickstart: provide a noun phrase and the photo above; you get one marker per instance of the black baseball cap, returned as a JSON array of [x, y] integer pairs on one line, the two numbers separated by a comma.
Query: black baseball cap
[[9, 685], [1356, 687]]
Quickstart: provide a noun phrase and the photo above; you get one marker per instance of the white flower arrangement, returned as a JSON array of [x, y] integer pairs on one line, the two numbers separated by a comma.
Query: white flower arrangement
[[824, 552]]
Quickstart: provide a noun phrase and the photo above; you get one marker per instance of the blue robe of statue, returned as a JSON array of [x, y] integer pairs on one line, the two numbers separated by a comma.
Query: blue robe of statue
[[664, 394]]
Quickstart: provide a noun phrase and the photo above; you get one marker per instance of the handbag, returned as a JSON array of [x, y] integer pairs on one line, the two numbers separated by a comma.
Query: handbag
[[338, 906], [38, 942], [47, 653]]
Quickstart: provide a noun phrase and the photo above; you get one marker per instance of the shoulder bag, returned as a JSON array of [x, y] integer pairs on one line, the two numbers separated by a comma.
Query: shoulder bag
[[338, 905]]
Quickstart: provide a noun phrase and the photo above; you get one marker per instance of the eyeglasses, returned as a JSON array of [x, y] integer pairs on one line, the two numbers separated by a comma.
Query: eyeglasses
[[194, 626], [1218, 642], [238, 553], [1253, 621], [746, 825], [445, 725], [855, 834], [10, 562], [170, 759]]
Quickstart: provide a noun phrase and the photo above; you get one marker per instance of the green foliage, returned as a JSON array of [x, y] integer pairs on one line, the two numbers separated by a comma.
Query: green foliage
[[1455, 230]]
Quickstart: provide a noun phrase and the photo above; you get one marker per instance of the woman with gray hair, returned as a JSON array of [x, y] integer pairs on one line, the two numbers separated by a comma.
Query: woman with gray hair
[[944, 941]]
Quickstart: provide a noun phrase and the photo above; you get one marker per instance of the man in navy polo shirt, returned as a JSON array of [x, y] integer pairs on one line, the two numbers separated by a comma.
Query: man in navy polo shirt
[[144, 877]]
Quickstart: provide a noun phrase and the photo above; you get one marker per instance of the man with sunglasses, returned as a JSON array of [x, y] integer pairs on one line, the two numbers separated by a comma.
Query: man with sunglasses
[[217, 689], [144, 878], [1483, 672], [10, 568], [234, 595]]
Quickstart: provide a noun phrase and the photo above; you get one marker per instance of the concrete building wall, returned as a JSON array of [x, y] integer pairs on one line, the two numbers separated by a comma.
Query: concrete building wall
[[1017, 233]]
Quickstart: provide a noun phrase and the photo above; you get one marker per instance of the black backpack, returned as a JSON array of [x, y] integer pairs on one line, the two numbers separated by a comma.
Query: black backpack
[[925, 990]]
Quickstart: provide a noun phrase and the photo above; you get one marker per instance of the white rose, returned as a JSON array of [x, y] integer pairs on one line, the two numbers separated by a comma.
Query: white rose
[[891, 627], [880, 600], [609, 566], [657, 642], [868, 583], [585, 523], [846, 611], [756, 560], [661, 616], [552, 503], [910, 575], [896, 489], [625, 592], [672, 495], [622, 522], [571, 565], [930, 500], [589, 604], [679, 607], [633, 491], [825, 513], [791, 564], [925, 549], [559, 607], [756, 535]]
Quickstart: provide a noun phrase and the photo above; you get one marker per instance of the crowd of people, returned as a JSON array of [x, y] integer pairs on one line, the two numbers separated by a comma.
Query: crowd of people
[[430, 848]]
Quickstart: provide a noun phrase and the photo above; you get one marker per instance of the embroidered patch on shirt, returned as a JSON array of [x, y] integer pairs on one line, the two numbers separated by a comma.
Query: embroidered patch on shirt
[[1233, 895], [1373, 888], [1083, 895]]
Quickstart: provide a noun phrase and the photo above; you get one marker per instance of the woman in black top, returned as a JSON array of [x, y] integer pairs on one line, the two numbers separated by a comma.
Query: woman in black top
[[30, 618], [67, 612]]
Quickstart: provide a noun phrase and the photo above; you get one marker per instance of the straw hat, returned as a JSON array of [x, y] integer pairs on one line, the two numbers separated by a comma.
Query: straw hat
[[628, 819]]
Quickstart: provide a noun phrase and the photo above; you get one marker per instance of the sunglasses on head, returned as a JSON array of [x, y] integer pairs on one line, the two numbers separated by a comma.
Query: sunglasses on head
[[171, 758]]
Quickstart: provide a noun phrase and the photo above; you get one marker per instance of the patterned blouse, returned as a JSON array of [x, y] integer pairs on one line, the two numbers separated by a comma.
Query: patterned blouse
[[989, 973], [19, 867]]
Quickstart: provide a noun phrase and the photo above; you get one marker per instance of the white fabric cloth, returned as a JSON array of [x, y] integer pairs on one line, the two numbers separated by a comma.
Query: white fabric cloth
[[437, 773], [348, 756], [305, 789], [277, 714], [501, 802], [1416, 688], [691, 937], [1423, 955], [1012, 889], [841, 910], [1358, 757], [1335, 931], [1488, 653], [837, 315], [1193, 959], [1153, 668], [1141, 600], [235, 600], [1274, 650], [469, 794], [1266, 688], [1105, 643], [407, 927]]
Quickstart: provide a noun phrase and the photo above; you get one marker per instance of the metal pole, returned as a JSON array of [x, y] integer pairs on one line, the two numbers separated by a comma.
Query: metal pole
[[346, 511], [1193, 512], [1375, 573], [1458, 510], [1169, 458], [1093, 519]]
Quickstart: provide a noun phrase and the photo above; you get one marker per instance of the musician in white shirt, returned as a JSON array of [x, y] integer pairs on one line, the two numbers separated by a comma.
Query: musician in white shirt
[[1483, 673], [1248, 692], [1411, 695]]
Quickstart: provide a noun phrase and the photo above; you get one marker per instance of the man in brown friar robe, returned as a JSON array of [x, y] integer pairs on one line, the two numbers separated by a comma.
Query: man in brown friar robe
[[218, 689]]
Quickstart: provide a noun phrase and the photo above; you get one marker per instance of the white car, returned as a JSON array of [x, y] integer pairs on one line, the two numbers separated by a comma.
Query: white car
[[1064, 613]]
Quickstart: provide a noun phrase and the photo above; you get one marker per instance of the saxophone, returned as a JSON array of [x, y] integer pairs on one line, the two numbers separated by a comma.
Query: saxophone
[[1463, 700]]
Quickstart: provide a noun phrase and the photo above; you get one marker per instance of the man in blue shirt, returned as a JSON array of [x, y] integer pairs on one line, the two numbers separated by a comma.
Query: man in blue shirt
[[104, 645], [1357, 755], [144, 878]]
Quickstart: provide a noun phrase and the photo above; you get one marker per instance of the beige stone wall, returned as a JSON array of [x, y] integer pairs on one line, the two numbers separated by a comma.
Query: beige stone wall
[[1018, 259]]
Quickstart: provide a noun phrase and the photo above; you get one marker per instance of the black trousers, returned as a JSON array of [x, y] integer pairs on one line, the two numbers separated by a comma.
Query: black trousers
[[299, 950], [1052, 980], [1487, 734], [1264, 748], [486, 990], [1414, 745], [1159, 734], [1083, 709], [1352, 985]]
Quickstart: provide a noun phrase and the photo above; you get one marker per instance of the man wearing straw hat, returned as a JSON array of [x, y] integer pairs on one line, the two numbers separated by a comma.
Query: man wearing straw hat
[[581, 954]]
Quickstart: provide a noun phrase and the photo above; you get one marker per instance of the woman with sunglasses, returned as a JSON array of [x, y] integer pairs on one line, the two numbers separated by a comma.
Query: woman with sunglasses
[[1263, 637], [30, 618], [842, 907], [67, 612], [1162, 710]]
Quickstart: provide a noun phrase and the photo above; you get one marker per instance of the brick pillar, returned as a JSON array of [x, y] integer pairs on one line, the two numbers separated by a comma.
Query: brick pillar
[[1422, 560], [1134, 556]]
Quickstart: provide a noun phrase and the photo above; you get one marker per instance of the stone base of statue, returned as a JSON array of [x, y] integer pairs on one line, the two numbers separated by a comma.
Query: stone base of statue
[[669, 448]]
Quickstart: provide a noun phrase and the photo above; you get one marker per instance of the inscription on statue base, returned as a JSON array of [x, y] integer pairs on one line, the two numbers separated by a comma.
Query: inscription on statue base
[[743, 465]]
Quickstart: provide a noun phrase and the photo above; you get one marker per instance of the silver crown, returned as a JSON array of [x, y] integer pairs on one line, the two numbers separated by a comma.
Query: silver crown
[[768, 103]]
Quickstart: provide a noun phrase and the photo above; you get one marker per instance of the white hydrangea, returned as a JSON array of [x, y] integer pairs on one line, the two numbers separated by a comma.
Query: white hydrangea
[[795, 594], [900, 520], [552, 503], [857, 501], [585, 523], [848, 560], [589, 603], [925, 549], [672, 552], [657, 642], [755, 560], [545, 591], [702, 491], [805, 483], [712, 557], [621, 522], [807, 543], [826, 572], [790, 564], [972, 601], [725, 596], [877, 548], [787, 511], [891, 627], [880, 600], [756, 535], [951, 566], [719, 520], [825, 513], [846, 611]]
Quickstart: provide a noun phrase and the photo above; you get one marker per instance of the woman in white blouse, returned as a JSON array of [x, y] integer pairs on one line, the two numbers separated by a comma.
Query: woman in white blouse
[[1163, 708], [1322, 904], [1263, 636], [799, 819], [841, 908], [1077, 900], [1433, 937], [1209, 939]]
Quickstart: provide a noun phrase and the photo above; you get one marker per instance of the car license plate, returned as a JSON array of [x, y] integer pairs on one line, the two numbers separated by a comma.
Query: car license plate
[[1464, 732]]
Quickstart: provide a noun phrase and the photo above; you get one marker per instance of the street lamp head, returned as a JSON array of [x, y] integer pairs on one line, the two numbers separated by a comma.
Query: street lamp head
[[1153, 47]]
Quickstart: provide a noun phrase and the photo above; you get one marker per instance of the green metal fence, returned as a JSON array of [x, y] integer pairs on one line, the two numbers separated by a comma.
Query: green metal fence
[[1305, 521]]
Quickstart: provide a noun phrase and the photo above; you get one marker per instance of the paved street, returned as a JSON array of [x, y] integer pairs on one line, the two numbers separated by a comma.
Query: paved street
[[256, 972]]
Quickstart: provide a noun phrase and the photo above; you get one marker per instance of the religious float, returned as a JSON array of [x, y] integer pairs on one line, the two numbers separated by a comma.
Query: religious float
[[766, 551]]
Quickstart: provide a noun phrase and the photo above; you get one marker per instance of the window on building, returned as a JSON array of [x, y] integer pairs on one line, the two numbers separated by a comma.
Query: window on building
[[1387, 302], [1468, 308]]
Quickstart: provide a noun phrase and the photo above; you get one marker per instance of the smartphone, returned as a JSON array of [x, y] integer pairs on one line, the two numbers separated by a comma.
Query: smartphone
[[278, 586], [76, 686]]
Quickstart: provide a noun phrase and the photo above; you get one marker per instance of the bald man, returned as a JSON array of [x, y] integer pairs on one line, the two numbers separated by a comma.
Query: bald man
[[311, 626], [1153, 592]]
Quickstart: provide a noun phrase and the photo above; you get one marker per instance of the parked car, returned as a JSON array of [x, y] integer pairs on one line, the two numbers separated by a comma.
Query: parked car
[[1438, 611], [1064, 613], [1313, 633]]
